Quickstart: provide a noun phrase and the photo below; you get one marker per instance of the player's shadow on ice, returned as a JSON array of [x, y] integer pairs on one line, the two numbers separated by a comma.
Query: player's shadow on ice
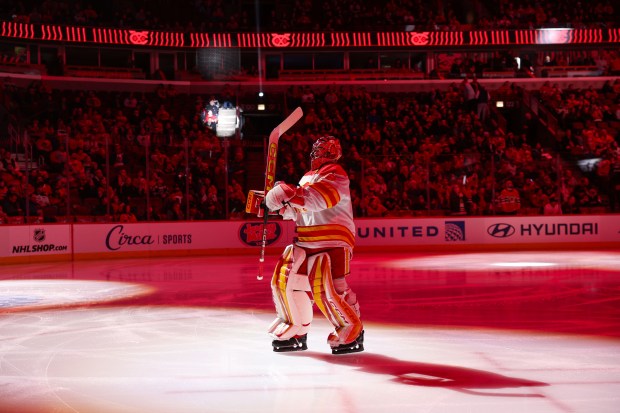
[[429, 375]]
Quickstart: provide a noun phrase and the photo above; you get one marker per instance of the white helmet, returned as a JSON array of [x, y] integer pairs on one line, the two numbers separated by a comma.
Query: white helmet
[[325, 149]]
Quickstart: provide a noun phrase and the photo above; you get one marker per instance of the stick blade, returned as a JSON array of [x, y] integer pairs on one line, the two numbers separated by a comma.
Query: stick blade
[[287, 123], [272, 148]]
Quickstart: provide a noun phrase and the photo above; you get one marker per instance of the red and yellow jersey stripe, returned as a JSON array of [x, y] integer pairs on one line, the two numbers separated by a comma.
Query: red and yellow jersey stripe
[[327, 191], [318, 234]]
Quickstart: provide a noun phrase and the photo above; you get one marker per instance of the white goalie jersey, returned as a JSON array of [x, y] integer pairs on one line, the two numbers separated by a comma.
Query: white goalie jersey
[[322, 209]]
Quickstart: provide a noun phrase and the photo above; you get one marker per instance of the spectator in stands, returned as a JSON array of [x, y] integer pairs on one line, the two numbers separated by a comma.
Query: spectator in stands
[[459, 203], [375, 208], [571, 206], [591, 197], [130, 102], [212, 207], [116, 207], [40, 197], [482, 99], [4, 217], [3, 189], [236, 197], [509, 201], [552, 207], [9, 164], [307, 97], [331, 97], [13, 205], [392, 202], [118, 156], [43, 146], [127, 215], [469, 94]]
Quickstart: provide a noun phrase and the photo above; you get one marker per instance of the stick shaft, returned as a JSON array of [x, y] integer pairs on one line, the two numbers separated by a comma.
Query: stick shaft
[[270, 174]]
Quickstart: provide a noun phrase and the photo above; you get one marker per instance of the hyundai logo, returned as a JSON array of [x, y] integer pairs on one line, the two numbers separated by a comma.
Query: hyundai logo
[[501, 230]]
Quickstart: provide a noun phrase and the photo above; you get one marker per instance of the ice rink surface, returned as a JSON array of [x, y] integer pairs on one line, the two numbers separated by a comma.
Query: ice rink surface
[[469, 332]]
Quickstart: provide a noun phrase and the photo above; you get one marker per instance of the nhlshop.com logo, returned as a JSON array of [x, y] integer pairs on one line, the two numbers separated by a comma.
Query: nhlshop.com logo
[[39, 237]]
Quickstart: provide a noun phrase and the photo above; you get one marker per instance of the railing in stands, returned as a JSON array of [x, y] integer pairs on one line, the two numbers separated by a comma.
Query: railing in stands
[[569, 71], [104, 72], [544, 115], [24, 68], [351, 74]]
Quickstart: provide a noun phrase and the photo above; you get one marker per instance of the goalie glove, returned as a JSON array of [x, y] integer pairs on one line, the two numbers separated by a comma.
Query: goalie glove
[[278, 196]]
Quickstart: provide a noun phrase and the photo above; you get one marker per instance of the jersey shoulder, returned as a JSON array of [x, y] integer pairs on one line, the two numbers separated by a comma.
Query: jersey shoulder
[[332, 168]]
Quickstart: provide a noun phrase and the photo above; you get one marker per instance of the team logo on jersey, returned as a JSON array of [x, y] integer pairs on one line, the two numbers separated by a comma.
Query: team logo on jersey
[[455, 231], [251, 233]]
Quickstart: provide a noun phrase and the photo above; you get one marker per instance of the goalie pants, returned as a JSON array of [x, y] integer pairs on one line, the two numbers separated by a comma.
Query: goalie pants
[[306, 276]]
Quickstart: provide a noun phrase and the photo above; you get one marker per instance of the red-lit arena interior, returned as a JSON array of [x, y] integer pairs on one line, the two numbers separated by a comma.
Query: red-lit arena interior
[[460, 332], [477, 327]]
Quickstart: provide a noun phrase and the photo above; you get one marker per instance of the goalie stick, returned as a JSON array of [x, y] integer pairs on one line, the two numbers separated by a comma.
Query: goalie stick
[[270, 173]]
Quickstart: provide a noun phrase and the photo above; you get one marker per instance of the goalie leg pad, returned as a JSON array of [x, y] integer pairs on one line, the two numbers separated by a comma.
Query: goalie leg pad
[[343, 289], [290, 292], [334, 306]]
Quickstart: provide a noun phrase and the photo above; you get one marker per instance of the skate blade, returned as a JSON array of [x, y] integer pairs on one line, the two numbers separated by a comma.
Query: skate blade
[[290, 349], [348, 349]]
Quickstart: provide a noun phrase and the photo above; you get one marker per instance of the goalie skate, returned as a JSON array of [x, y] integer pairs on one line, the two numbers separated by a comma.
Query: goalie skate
[[355, 346], [292, 344]]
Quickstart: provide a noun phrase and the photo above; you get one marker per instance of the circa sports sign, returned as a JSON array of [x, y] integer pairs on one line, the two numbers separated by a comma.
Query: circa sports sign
[[118, 238], [136, 237], [170, 236]]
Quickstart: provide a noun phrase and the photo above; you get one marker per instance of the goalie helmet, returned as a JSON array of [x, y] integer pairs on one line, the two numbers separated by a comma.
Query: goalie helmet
[[325, 149]]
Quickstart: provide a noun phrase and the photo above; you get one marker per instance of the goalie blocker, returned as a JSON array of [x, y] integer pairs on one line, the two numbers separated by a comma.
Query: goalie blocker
[[254, 204]]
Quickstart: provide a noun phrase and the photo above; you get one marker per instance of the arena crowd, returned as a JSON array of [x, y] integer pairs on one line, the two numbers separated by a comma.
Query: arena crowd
[[305, 15], [125, 156], [407, 154]]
